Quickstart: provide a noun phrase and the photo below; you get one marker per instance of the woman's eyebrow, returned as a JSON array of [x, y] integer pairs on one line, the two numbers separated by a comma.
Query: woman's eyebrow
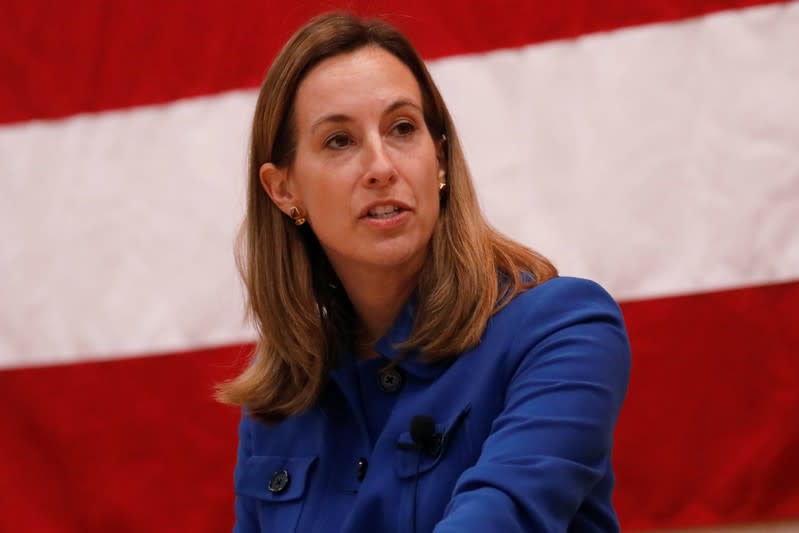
[[340, 117], [402, 102], [333, 117]]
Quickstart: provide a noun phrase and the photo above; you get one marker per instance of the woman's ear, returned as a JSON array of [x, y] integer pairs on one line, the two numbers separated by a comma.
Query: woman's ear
[[441, 152], [275, 182]]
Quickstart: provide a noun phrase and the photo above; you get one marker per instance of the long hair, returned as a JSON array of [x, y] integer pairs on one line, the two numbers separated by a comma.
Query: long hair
[[302, 315]]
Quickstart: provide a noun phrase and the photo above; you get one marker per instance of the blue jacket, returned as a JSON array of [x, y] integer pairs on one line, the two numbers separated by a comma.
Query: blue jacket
[[520, 437]]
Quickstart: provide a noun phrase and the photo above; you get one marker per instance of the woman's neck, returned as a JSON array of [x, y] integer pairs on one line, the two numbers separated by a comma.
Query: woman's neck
[[377, 298]]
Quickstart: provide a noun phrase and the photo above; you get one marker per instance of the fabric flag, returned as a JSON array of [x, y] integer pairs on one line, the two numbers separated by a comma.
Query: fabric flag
[[651, 145]]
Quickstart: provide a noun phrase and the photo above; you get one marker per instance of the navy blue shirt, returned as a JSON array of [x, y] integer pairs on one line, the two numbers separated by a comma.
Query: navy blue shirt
[[377, 401], [525, 421]]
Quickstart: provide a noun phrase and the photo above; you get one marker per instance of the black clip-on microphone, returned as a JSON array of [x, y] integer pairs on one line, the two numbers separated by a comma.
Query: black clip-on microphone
[[427, 440], [423, 433]]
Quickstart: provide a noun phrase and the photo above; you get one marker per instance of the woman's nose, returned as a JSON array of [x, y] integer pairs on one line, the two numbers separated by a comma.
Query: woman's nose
[[379, 168]]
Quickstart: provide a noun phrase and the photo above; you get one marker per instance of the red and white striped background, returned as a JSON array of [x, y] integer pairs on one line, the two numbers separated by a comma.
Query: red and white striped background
[[652, 145]]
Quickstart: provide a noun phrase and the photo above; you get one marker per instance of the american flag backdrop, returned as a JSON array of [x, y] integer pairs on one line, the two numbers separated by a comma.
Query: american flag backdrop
[[651, 145]]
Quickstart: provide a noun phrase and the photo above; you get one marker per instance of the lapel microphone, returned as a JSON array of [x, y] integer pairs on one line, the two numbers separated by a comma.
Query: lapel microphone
[[425, 438], [423, 432]]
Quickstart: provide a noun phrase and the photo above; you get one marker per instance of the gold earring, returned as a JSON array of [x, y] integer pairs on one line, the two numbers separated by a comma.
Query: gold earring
[[441, 176], [296, 215]]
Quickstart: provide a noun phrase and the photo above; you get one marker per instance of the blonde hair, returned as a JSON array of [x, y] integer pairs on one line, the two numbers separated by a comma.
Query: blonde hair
[[304, 319]]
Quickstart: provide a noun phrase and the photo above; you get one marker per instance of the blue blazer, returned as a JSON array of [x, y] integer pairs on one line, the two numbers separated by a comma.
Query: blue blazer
[[514, 435]]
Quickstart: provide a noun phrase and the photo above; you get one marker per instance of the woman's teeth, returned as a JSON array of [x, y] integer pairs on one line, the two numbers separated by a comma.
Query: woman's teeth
[[383, 212]]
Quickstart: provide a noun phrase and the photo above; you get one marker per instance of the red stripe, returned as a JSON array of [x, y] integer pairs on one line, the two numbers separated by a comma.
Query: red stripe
[[709, 431], [62, 58], [708, 434], [129, 445]]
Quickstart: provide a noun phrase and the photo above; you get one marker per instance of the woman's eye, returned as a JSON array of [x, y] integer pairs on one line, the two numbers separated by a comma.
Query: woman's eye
[[404, 128], [339, 140]]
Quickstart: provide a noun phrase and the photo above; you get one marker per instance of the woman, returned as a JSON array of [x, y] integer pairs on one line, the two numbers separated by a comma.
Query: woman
[[416, 370]]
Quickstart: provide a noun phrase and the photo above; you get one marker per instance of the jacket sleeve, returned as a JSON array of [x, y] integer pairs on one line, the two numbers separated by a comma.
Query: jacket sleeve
[[551, 442], [246, 518]]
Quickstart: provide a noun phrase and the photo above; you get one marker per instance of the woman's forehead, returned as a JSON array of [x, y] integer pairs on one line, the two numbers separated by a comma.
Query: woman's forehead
[[368, 80]]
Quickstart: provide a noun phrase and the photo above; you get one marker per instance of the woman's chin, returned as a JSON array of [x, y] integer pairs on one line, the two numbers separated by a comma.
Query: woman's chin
[[396, 258]]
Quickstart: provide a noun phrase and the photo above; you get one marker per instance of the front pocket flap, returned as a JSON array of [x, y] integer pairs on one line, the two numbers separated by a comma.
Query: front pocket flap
[[288, 474], [410, 462]]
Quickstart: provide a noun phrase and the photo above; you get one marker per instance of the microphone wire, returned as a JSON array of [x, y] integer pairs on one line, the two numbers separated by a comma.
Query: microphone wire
[[415, 489]]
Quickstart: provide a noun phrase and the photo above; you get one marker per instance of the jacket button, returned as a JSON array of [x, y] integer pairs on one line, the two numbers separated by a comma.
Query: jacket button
[[279, 482], [389, 380], [363, 464]]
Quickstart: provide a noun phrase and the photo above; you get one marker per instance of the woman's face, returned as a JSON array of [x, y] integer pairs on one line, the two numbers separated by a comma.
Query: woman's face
[[366, 169]]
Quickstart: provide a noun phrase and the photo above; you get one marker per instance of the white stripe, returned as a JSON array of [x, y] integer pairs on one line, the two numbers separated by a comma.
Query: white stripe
[[118, 232], [658, 160]]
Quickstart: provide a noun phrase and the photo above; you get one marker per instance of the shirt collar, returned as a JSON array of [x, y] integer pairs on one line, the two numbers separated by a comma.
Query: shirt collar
[[399, 332]]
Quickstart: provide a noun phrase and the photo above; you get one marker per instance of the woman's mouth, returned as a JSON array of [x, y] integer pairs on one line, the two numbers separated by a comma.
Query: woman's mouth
[[386, 211]]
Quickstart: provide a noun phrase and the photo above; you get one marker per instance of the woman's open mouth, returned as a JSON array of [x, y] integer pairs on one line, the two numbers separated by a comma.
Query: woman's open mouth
[[386, 211]]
